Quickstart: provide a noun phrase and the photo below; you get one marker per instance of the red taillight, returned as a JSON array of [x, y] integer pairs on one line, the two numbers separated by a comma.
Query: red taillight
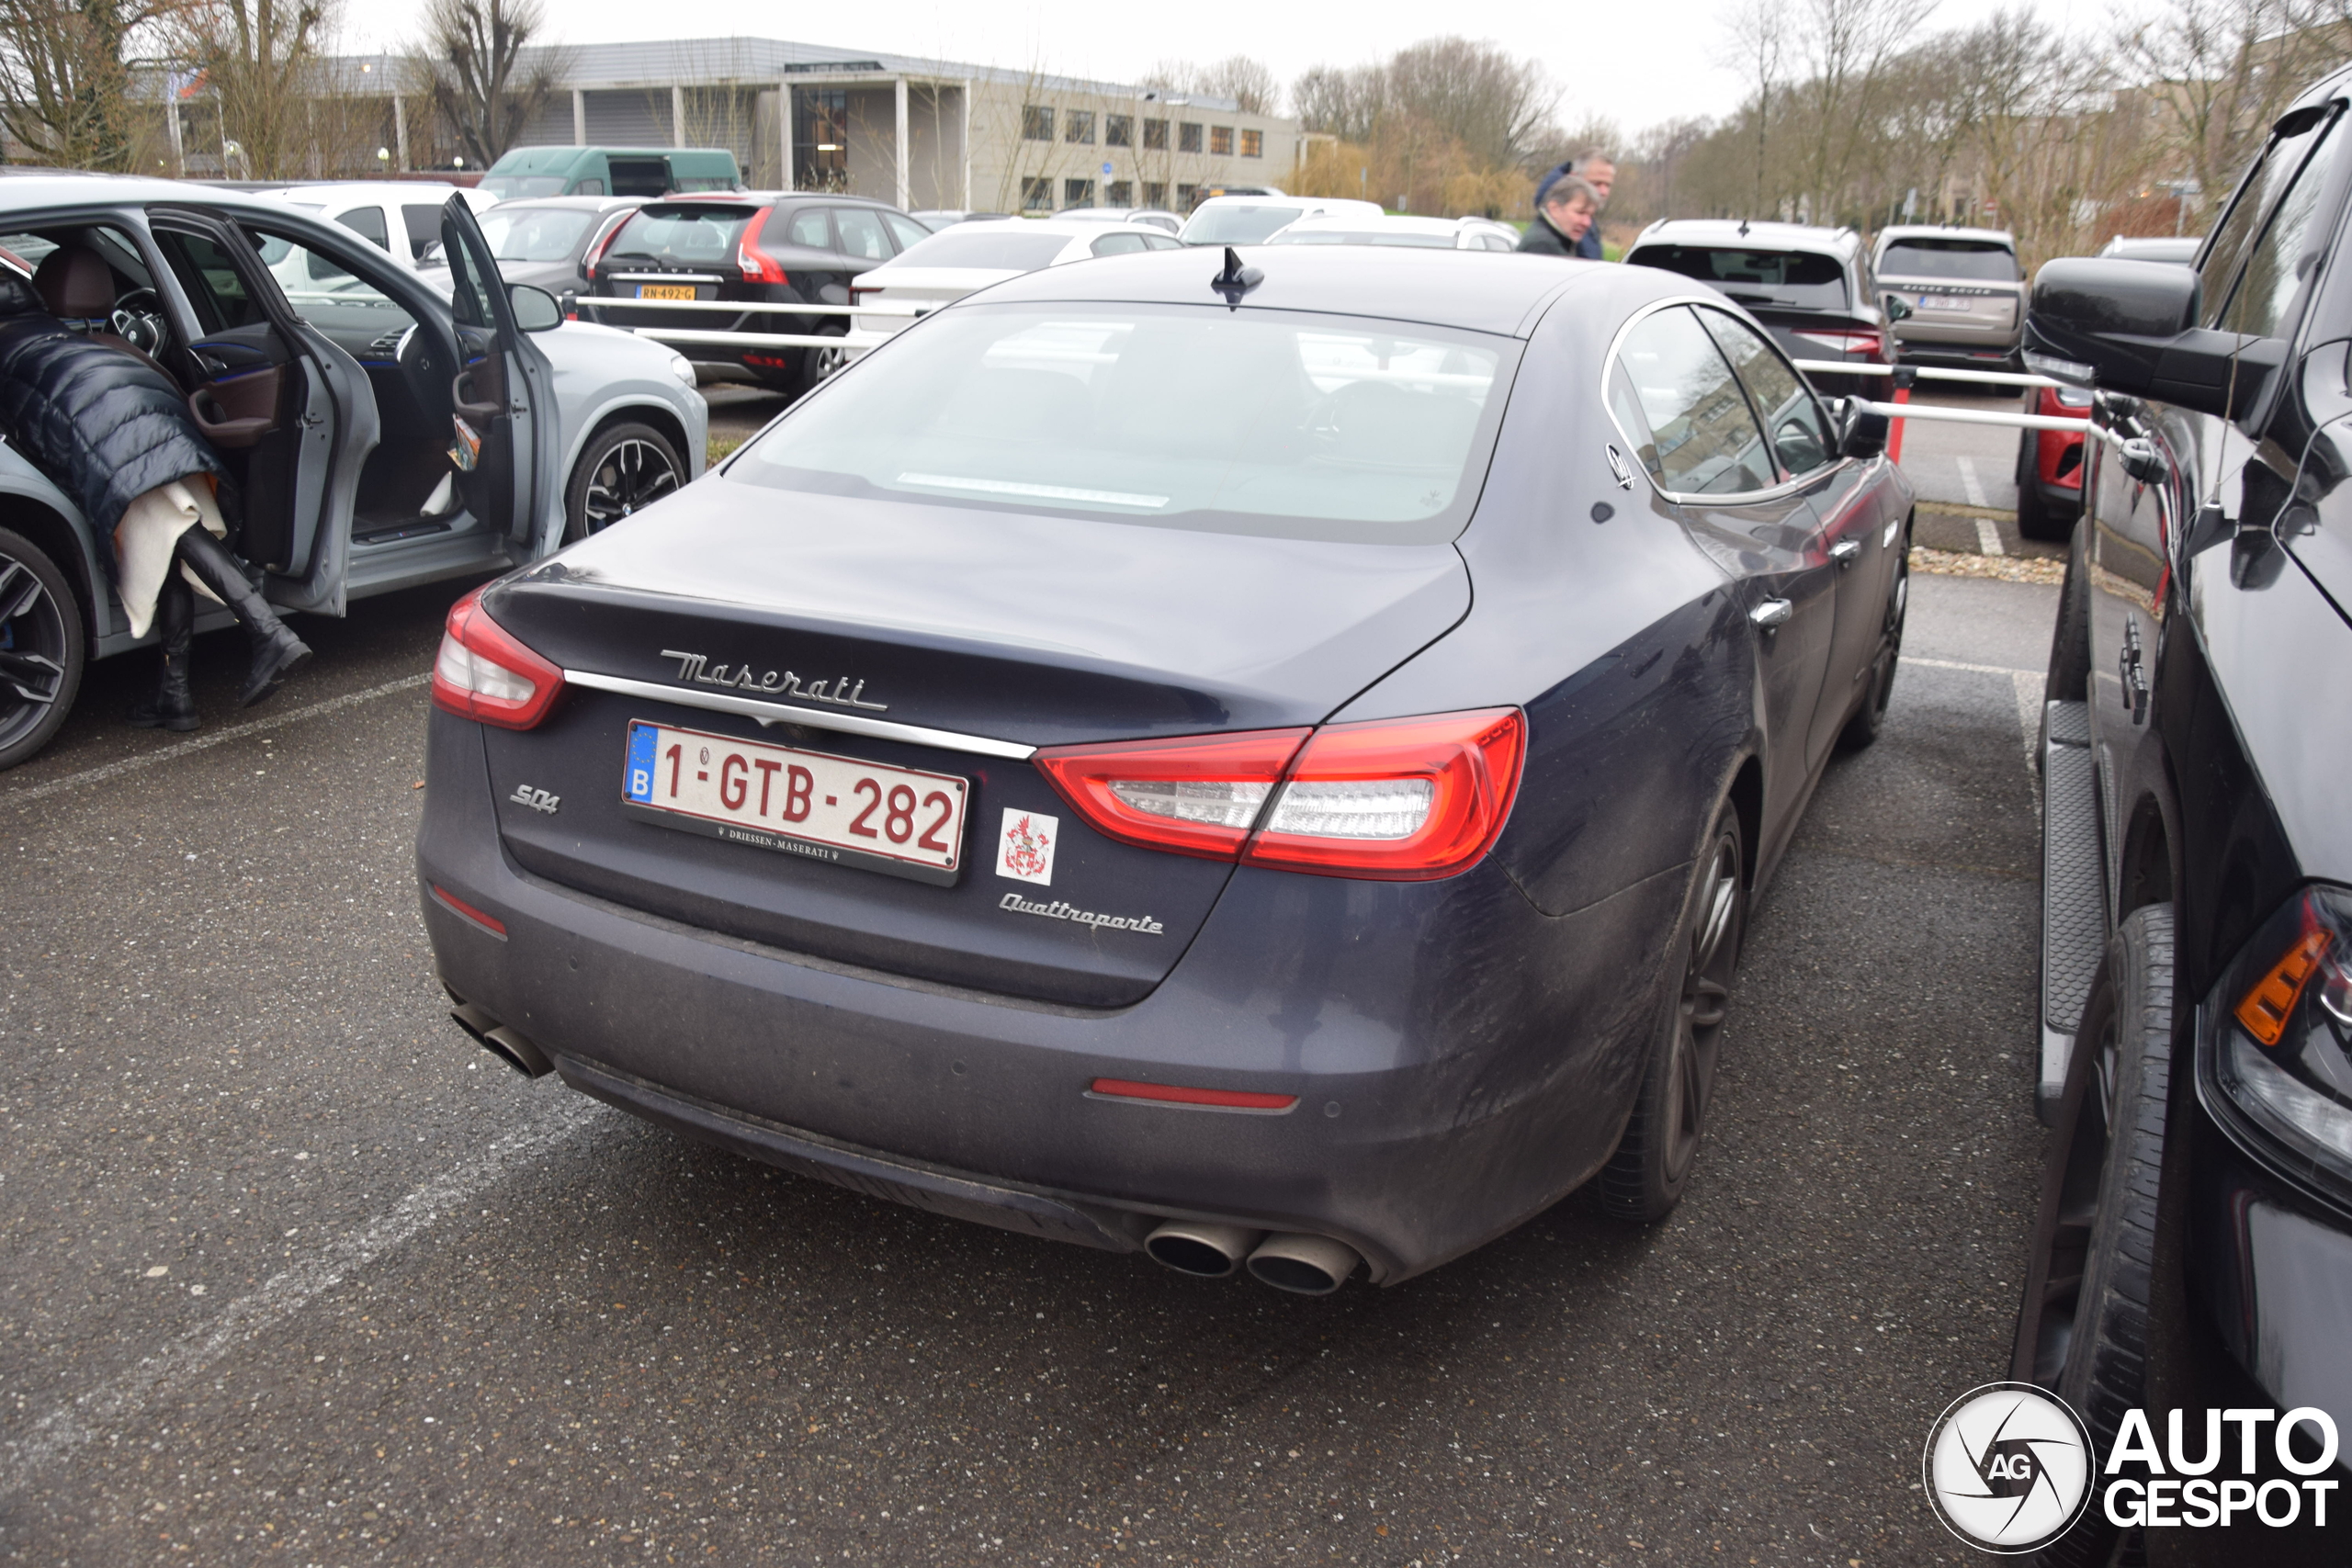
[[1842, 341], [464, 911], [1393, 799], [1396, 799], [606, 244], [1177, 1094], [1199, 794], [482, 673], [755, 264]]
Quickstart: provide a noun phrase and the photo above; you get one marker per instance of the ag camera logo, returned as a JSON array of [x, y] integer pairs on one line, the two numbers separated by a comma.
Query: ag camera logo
[[2008, 1467]]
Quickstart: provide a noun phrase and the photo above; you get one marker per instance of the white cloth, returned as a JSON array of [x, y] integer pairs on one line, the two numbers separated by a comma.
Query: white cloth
[[144, 539]]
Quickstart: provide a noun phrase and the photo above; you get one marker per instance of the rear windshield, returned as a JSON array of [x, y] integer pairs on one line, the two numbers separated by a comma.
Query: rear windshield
[[506, 188], [1805, 281], [1237, 225], [1363, 237], [668, 231], [1974, 260], [536, 234], [1256, 421], [990, 246]]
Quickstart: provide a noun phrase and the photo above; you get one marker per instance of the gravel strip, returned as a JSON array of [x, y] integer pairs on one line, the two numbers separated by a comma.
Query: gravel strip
[[2010, 568]]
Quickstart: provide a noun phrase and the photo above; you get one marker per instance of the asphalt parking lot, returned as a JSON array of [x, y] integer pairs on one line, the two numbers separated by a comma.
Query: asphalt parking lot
[[297, 1274]]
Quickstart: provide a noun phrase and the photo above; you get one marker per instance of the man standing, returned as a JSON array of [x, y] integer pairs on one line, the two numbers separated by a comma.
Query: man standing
[[1597, 169], [1563, 219]]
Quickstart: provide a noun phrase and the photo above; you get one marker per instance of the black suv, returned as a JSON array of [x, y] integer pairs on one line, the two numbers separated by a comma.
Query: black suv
[[2193, 1251], [769, 246]]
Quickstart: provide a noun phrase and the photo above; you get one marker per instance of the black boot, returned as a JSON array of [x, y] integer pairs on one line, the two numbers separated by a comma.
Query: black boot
[[278, 652], [170, 705]]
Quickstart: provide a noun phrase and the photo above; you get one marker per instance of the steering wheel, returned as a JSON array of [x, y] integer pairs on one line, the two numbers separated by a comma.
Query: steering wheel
[[423, 366], [138, 319]]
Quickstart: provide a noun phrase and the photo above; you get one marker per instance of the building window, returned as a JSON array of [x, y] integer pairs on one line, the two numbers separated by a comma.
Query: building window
[[1185, 197], [1078, 193], [1118, 130], [1036, 123], [1188, 138], [1037, 196], [1155, 135], [1155, 192], [1078, 125], [1254, 143], [1119, 193], [1221, 141]]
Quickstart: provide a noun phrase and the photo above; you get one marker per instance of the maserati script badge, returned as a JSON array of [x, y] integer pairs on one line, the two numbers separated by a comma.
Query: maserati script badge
[[839, 691]]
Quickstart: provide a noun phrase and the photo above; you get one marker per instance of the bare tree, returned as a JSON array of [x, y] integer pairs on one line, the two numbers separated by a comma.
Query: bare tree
[[1496, 106], [1249, 83], [472, 69], [64, 86], [1345, 102], [260, 59], [1757, 46]]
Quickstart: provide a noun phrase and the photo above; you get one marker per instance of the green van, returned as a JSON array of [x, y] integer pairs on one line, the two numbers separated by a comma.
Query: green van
[[611, 171]]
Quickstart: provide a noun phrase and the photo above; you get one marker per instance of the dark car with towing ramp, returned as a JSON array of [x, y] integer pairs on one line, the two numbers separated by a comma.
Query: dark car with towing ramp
[[2192, 1256], [1262, 763]]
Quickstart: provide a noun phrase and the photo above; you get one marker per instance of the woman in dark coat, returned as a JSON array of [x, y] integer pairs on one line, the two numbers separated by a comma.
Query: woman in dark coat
[[115, 433]]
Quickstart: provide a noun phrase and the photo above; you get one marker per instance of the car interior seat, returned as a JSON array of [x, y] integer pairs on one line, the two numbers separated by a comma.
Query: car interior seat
[[79, 286]]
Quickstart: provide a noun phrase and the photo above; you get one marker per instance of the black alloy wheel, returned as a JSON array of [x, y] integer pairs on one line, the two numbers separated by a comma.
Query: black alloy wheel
[[1871, 718], [1644, 1181], [2082, 1324], [42, 652], [625, 469]]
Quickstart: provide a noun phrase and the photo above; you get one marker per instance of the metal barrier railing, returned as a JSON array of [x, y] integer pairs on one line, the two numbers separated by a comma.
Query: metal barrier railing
[[1903, 409], [677, 336]]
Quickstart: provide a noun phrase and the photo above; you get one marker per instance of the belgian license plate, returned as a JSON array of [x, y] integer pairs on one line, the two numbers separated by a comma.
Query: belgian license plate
[[665, 291], [811, 804]]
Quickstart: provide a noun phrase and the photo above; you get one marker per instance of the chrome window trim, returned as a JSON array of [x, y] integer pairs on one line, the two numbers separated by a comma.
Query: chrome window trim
[[1682, 498], [814, 719]]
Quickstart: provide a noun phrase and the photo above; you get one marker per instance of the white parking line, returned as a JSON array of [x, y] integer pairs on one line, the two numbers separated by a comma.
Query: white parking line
[[1970, 483], [1988, 538], [150, 759], [71, 1426]]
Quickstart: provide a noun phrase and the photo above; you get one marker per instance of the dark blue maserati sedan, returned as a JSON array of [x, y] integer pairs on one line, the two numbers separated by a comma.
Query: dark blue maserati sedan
[[1261, 764]]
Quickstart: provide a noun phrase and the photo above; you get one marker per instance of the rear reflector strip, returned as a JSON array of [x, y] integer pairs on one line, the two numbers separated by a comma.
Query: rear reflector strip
[[1201, 1098], [457, 906]]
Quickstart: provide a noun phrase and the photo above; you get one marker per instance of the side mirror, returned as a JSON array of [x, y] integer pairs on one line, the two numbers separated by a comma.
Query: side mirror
[[536, 309], [1861, 433], [2126, 326], [1897, 307]]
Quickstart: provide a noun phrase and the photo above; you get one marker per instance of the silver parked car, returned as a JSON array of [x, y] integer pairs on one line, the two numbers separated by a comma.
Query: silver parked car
[[333, 400], [1965, 289]]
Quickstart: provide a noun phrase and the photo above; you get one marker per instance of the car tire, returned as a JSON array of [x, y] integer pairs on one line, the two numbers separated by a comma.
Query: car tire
[[1871, 718], [819, 365], [625, 469], [1644, 1179], [42, 648], [2083, 1325]]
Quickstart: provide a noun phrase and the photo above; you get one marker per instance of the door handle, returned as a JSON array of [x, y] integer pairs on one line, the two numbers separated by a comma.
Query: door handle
[[1771, 613], [1844, 552]]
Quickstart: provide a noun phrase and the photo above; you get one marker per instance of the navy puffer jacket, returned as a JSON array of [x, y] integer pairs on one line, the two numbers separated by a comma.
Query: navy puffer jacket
[[107, 427]]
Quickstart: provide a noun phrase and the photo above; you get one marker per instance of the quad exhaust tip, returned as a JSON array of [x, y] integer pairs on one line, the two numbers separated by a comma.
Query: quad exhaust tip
[[509, 1047], [1304, 1265]]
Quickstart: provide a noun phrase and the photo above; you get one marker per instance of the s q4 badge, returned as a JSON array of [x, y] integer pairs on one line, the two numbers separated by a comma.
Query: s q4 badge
[[537, 799]]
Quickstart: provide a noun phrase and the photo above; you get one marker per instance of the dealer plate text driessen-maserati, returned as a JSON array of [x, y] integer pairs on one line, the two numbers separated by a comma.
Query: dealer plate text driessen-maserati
[[1311, 800]]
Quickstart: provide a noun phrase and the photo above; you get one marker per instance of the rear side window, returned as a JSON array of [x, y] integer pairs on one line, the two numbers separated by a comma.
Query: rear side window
[[811, 227], [673, 232], [1793, 418], [1973, 261], [424, 226], [1805, 280], [1700, 439], [2257, 194], [369, 223], [861, 232], [1118, 245]]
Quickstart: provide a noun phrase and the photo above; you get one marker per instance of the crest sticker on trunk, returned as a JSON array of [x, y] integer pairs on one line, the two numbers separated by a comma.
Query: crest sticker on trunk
[[1024, 850]]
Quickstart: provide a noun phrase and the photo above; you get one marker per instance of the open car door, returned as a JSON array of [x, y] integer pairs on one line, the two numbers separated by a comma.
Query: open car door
[[503, 430], [290, 414]]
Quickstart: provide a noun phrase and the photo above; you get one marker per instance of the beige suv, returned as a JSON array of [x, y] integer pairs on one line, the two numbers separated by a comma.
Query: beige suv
[[1965, 289]]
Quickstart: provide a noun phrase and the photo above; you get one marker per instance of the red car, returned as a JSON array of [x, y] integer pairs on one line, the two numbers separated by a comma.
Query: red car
[[2050, 462]]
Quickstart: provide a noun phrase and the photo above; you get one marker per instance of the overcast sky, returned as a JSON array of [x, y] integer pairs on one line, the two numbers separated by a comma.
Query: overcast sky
[[1638, 61]]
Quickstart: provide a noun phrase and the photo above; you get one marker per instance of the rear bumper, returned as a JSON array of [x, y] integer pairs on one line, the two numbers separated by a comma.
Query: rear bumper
[[1460, 1060]]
